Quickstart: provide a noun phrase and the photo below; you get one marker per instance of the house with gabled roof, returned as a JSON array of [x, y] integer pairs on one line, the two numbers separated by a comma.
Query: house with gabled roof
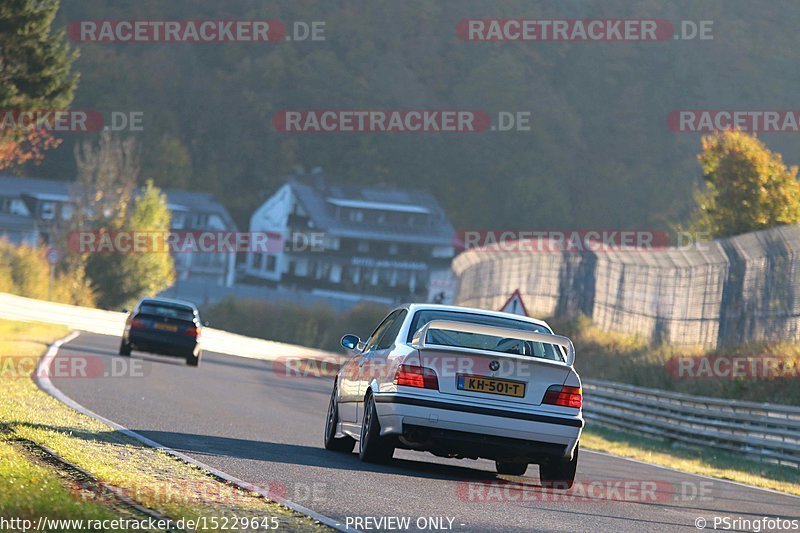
[[350, 240], [31, 209]]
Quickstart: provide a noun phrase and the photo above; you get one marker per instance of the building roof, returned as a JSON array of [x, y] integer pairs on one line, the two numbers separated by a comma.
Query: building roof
[[36, 187], [320, 201], [46, 189], [197, 202]]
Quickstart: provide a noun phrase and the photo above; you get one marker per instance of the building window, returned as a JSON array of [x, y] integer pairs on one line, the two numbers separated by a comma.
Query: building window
[[66, 211], [48, 211], [302, 268], [271, 263], [199, 220], [356, 216], [363, 247], [178, 220], [393, 249], [330, 243], [18, 207], [336, 274], [442, 251]]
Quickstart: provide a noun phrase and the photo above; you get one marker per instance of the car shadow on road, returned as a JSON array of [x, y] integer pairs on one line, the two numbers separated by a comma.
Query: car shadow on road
[[296, 454]]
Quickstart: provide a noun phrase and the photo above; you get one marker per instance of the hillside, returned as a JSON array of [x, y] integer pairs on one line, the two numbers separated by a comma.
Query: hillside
[[599, 153]]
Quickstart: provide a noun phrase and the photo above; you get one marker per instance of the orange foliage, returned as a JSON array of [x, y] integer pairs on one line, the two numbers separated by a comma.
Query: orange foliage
[[18, 148]]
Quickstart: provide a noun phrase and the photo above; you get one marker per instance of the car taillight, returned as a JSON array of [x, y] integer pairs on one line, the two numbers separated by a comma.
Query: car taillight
[[192, 332], [416, 376], [138, 324], [564, 396]]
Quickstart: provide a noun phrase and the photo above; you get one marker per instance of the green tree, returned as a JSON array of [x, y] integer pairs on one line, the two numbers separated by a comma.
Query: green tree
[[35, 73], [122, 278], [106, 202], [149, 273], [748, 187]]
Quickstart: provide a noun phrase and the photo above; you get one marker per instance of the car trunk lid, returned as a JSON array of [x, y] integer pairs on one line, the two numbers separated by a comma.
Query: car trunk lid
[[465, 368]]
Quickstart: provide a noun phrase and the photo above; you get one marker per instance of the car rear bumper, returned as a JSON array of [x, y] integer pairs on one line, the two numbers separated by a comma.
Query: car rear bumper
[[487, 431], [164, 343]]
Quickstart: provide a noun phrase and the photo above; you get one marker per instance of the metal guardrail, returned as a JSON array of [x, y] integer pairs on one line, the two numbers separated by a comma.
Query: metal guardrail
[[765, 431]]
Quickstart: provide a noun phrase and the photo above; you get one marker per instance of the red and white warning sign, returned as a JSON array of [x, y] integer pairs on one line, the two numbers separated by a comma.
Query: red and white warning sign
[[515, 305]]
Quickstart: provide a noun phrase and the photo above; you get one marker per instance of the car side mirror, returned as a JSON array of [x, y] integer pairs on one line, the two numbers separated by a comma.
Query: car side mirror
[[351, 342], [124, 309]]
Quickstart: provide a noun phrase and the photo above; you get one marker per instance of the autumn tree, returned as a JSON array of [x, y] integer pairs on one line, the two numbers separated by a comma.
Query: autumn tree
[[106, 202], [35, 75], [107, 174], [748, 187]]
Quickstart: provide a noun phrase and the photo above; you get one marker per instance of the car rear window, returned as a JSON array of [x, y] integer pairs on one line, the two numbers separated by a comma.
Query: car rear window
[[169, 311], [459, 339]]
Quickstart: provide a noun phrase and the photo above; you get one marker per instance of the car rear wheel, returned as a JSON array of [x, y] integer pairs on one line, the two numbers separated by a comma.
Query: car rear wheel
[[342, 444], [372, 447], [559, 474], [193, 359], [510, 468], [124, 348]]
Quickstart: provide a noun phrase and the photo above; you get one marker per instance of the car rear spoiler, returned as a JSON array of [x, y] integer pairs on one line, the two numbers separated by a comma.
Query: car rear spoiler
[[419, 341]]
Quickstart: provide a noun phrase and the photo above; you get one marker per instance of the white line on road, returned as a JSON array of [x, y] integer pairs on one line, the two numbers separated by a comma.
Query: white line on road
[[44, 382]]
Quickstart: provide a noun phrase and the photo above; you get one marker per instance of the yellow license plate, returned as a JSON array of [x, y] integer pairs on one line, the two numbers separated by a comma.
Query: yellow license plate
[[504, 387], [166, 327]]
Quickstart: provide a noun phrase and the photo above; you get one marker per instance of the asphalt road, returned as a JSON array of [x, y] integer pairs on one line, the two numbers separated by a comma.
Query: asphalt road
[[242, 417]]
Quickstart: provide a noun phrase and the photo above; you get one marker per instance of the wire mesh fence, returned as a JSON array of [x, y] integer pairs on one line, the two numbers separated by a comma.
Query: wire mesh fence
[[712, 294]]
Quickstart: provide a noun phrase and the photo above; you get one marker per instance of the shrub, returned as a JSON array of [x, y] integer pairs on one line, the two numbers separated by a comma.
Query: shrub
[[24, 270], [316, 327]]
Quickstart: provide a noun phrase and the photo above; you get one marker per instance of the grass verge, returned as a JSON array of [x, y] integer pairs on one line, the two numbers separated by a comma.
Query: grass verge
[[696, 461], [155, 480], [29, 490]]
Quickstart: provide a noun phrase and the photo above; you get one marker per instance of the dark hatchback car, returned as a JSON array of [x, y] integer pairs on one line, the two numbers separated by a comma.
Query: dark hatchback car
[[163, 326]]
